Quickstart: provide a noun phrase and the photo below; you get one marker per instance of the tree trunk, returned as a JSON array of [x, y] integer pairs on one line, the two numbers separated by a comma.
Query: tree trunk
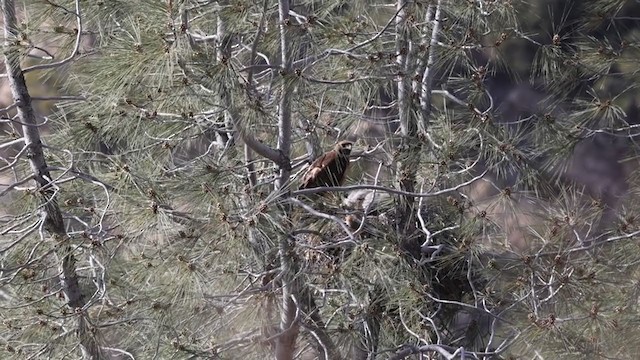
[[50, 211]]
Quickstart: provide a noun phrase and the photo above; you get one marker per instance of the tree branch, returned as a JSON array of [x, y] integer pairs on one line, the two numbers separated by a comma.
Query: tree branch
[[427, 75], [389, 190], [285, 346], [410, 147], [76, 47], [53, 221], [284, 108], [247, 137]]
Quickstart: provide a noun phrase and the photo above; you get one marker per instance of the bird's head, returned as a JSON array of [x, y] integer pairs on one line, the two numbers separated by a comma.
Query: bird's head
[[344, 147]]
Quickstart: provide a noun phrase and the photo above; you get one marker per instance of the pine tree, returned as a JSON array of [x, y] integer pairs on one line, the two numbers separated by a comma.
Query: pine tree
[[154, 211]]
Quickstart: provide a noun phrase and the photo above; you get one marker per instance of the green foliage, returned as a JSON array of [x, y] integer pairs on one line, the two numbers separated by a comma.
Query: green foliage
[[181, 253]]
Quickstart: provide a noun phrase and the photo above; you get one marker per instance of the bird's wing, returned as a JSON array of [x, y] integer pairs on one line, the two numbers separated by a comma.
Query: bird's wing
[[315, 168]]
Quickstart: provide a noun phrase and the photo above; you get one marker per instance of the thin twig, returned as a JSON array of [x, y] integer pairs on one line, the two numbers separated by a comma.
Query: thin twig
[[76, 47]]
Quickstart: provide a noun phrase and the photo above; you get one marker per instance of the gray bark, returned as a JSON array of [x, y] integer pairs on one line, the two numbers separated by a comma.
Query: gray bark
[[289, 323], [409, 153], [50, 211], [284, 108]]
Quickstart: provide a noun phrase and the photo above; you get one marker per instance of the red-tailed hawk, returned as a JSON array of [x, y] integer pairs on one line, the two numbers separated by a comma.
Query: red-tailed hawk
[[330, 168]]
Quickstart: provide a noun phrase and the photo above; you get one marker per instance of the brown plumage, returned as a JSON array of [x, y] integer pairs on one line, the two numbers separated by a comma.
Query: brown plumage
[[330, 168]]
